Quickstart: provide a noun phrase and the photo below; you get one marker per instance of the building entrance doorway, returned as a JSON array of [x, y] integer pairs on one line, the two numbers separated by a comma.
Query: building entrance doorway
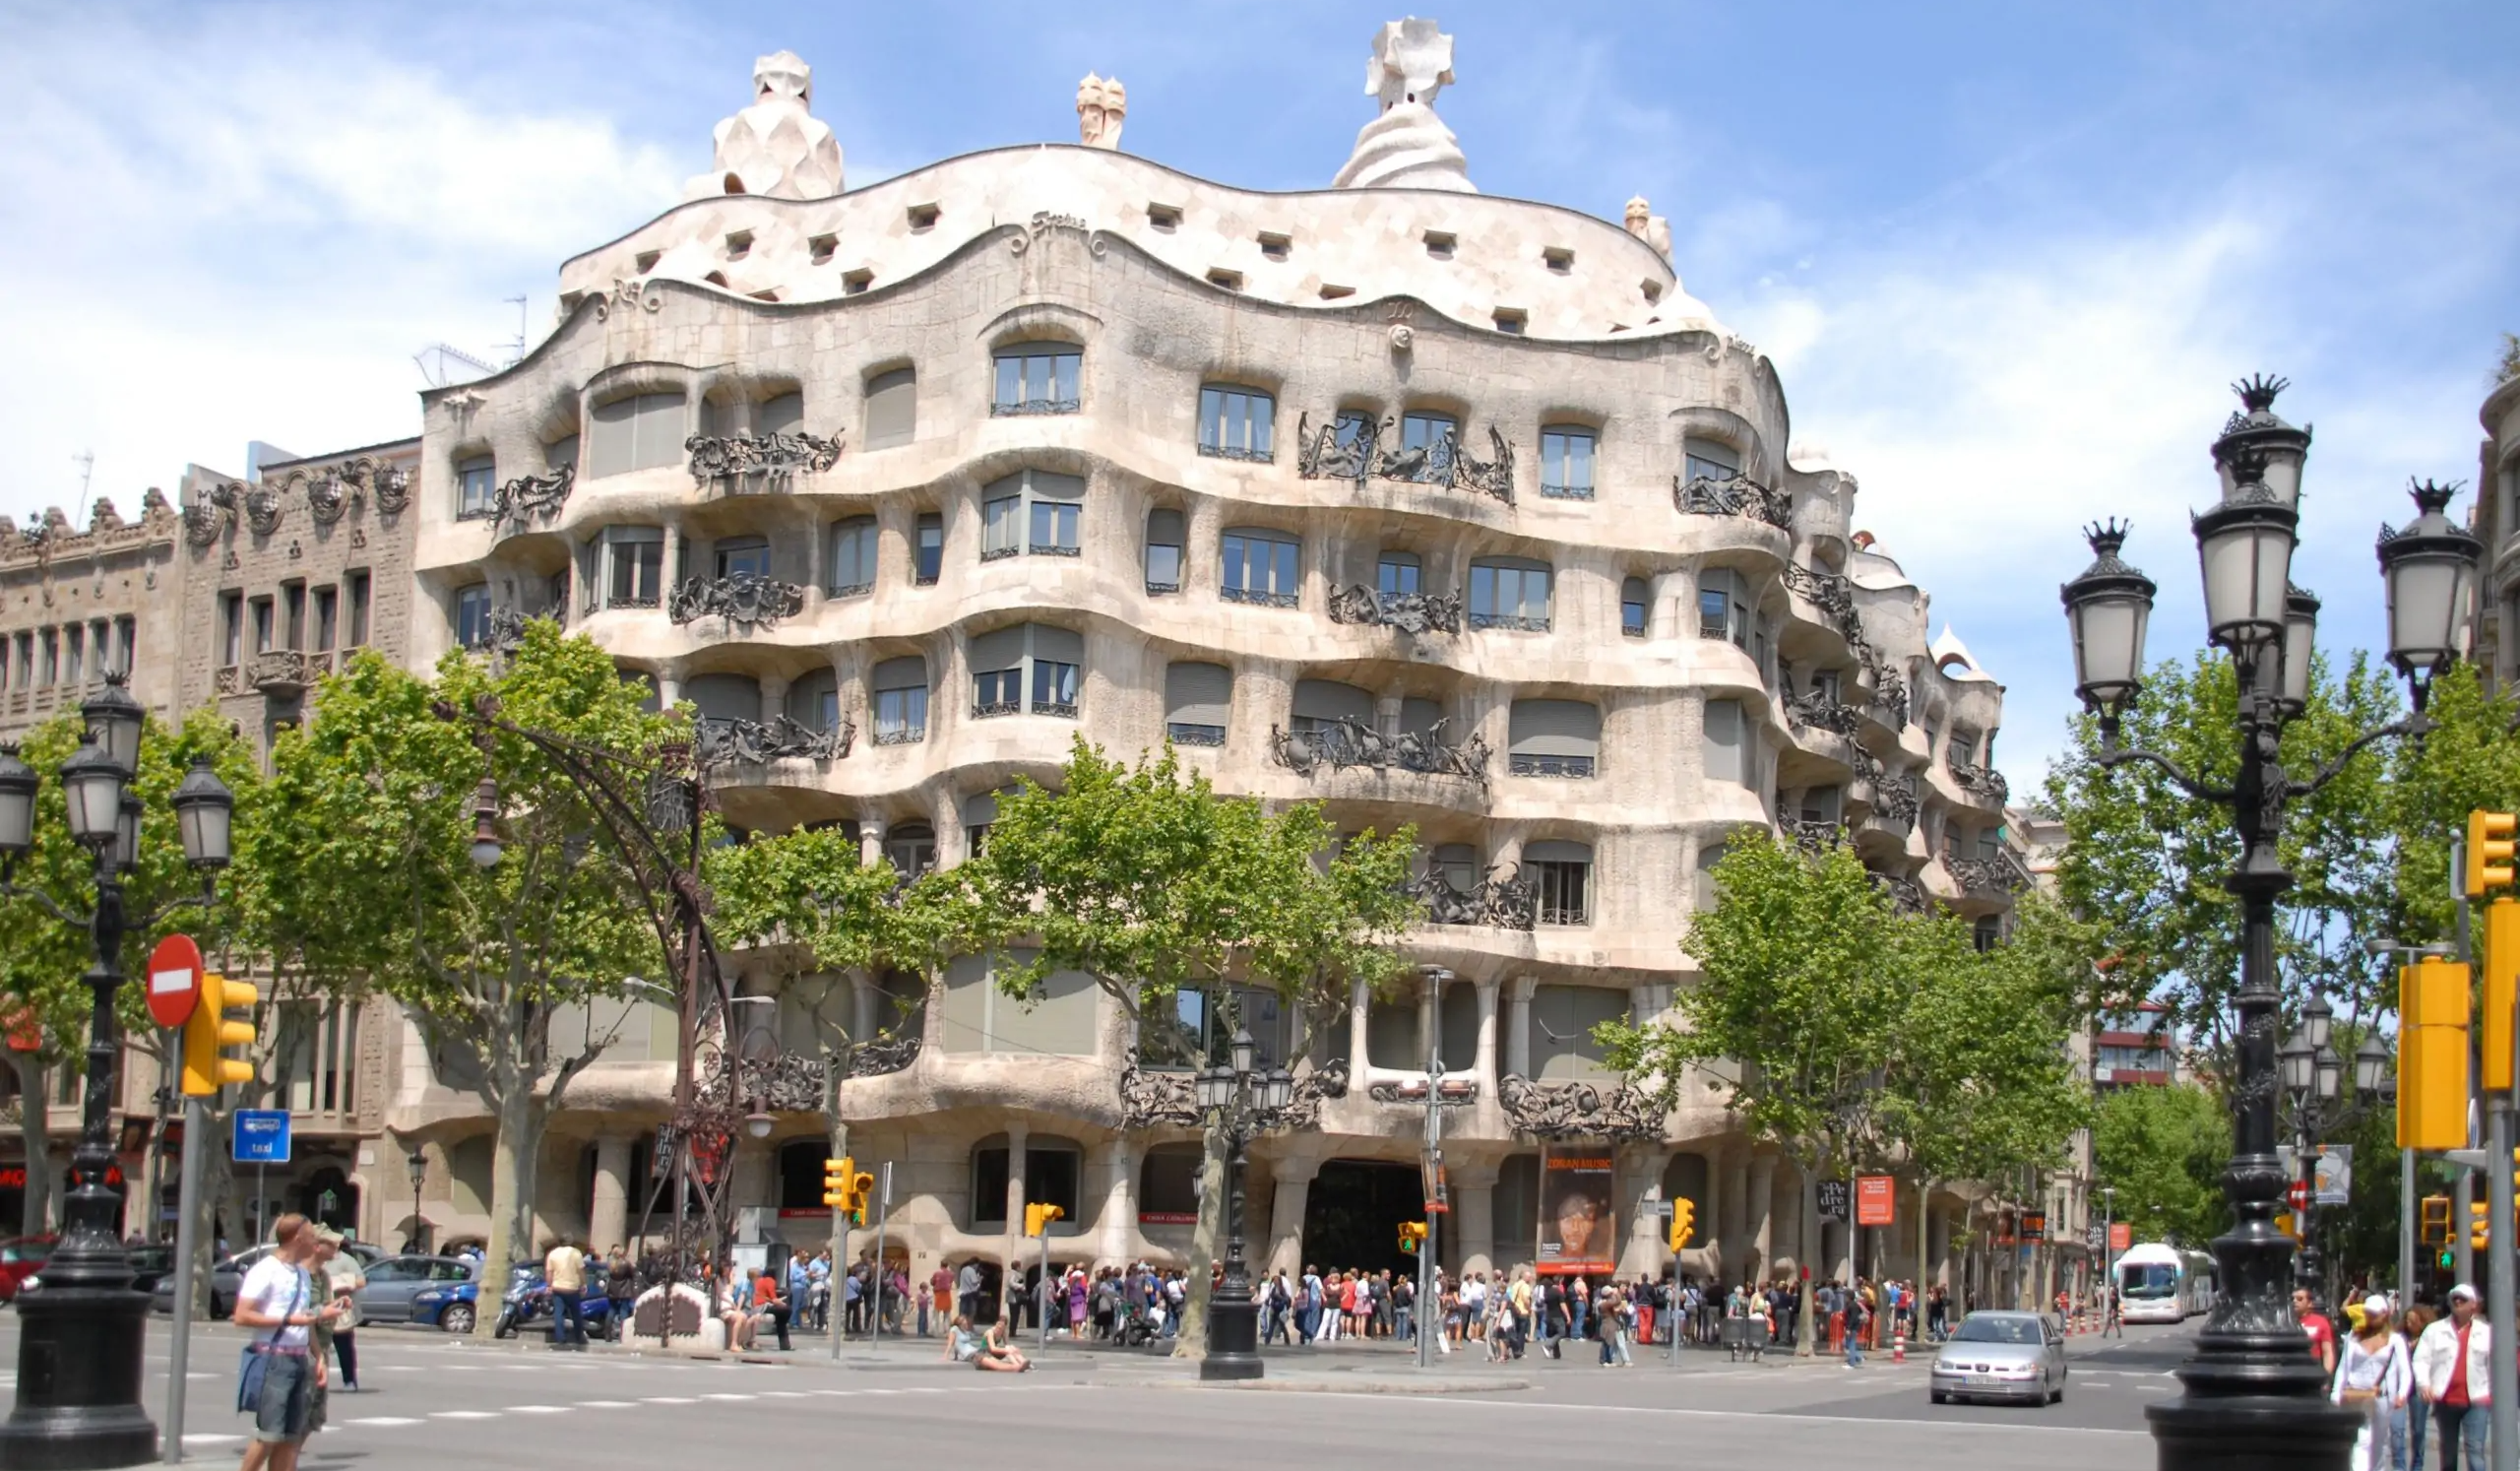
[[1351, 1216]]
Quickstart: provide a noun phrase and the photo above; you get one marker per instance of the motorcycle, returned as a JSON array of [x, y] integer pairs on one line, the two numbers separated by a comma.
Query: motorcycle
[[530, 1301]]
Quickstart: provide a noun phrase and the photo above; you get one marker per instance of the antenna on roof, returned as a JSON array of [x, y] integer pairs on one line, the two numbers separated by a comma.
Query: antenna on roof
[[516, 348], [86, 460], [444, 365]]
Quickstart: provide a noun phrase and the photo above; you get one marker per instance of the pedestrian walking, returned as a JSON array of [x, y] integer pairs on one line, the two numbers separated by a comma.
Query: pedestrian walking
[[2374, 1373], [620, 1291], [343, 1278], [2451, 1369], [278, 1372]]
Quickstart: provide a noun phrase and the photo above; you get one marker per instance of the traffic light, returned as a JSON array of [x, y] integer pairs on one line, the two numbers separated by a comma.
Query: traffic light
[[1412, 1237], [2433, 1055], [860, 1184], [2491, 846], [207, 1033], [2501, 965], [1683, 1221], [837, 1175], [2480, 1224], [1038, 1218], [2432, 1227]]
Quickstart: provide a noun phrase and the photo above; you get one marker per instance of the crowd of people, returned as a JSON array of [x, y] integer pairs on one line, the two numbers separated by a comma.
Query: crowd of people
[[2415, 1374]]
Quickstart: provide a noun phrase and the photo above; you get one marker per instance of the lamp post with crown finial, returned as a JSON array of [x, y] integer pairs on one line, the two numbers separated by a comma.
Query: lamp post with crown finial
[[2253, 1398], [80, 1325]]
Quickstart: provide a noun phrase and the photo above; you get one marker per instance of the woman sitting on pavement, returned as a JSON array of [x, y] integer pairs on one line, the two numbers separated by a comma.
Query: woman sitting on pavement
[[988, 1352]]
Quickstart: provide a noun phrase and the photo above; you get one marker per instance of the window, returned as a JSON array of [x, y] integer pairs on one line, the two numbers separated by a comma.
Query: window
[[1710, 458], [293, 607], [358, 583], [1235, 423], [328, 608], [930, 555], [1037, 378], [1964, 747], [477, 486], [1634, 606], [1566, 464], [901, 701], [1164, 551], [1709, 855], [231, 633], [1988, 932], [51, 658], [1509, 593], [1261, 566], [892, 409], [721, 699], [911, 847], [741, 557], [561, 454], [1951, 839], [1048, 661], [1723, 606], [637, 561], [1933, 733], [852, 556], [473, 617], [1196, 699], [1727, 756], [1457, 864], [5, 667], [1553, 738], [979, 815], [1398, 574], [1990, 841], [262, 625], [1823, 804], [781, 415], [813, 701], [1829, 685], [1323, 713], [1564, 873], [26, 659], [640, 432], [1041, 508], [1426, 431], [74, 643]]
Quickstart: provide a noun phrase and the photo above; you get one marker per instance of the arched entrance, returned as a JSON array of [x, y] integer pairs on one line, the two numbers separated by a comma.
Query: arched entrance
[[328, 1198], [1352, 1215]]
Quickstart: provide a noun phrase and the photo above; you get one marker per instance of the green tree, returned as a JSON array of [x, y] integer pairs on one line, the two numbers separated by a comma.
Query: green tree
[[1147, 879], [2470, 759], [2163, 1149], [369, 872]]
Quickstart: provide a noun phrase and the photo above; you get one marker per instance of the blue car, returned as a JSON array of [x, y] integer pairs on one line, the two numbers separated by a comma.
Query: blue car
[[451, 1306]]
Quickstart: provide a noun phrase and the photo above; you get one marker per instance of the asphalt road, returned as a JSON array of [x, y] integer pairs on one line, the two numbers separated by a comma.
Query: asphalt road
[[433, 1401]]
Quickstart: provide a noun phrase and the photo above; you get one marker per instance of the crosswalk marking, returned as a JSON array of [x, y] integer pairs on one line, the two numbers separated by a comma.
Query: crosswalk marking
[[667, 1399], [388, 1420], [463, 1415], [538, 1409]]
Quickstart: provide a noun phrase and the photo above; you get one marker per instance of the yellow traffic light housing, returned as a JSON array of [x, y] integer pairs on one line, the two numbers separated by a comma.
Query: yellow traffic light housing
[[1038, 1218], [1412, 1237], [2433, 1055], [836, 1178], [1683, 1221], [2501, 963], [2480, 1224], [860, 1184], [207, 1033], [2491, 846], [2433, 1224]]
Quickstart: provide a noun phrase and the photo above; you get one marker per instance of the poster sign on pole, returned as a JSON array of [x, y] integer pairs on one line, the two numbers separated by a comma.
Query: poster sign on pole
[[1875, 1197], [1833, 1200], [2122, 1236], [2334, 1173], [1578, 1220]]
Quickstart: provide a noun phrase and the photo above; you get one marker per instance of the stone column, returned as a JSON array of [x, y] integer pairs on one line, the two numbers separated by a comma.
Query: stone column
[[668, 691], [1473, 1223], [1115, 1224], [1762, 1257], [1649, 1235], [669, 558], [1518, 1027], [1359, 1059], [774, 697], [870, 837], [1484, 1065], [609, 1222], [1387, 715], [1711, 1239], [1011, 1255], [864, 995], [1294, 1178]]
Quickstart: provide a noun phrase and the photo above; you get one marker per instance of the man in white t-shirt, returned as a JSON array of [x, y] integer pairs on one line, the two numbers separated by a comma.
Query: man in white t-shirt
[[279, 1301], [565, 1271]]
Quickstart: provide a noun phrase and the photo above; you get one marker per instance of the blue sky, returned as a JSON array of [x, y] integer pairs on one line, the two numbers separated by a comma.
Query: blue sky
[[2004, 256]]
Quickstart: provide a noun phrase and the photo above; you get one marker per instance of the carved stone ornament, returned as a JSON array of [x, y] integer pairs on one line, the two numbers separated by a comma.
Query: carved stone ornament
[[746, 599], [1577, 1111], [629, 292]]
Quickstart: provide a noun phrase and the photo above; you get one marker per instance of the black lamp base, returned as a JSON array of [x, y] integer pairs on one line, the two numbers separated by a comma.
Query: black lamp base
[[79, 1366], [1234, 1340], [2253, 1432]]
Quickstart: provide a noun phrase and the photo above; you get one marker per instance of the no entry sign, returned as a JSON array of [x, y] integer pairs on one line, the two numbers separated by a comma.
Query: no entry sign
[[175, 980]]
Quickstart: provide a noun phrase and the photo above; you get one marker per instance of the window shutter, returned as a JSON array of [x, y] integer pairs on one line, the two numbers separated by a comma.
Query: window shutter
[[561, 454], [1058, 645], [892, 409], [911, 671], [1419, 716], [659, 434], [1197, 694], [783, 415], [1724, 761], [609, 441], [998, 648], [1557, 851], [1327, 699], [805, 697], [725, 697], [1555, 728], [1047, 484], [1164, 528], [979, 809]]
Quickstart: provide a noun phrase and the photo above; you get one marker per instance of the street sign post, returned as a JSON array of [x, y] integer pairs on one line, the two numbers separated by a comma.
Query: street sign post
[[259, 1138], [175, 990], [174, 980]]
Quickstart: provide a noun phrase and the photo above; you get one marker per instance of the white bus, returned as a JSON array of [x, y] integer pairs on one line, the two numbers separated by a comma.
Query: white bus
[[2161, 1284]]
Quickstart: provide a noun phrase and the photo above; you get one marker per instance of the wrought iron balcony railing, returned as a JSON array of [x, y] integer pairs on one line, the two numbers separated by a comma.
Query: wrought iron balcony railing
[[990, 709], [1184, 732], [1549, 492], [1813, 834], [900, 734], [1497, 902], [1349, 450], [1815, 710], [753, 742], [1510, 622], [1576, 768], [754, 464], [2001, 875], [1409, 613], [746, 600], [1704, 496], [1352, 742], [1258, 597], [1025, 407], [1980, 780]]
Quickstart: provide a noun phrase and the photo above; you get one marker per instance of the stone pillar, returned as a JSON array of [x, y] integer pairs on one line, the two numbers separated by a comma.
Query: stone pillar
[[774, 697], [668, 691], [1762, 1258], [1472, 1222], [1518, 1027], [1387, 715], [1359, 1060], [864, 995], [1115, 1224], [870, 837], [1712, 1239], [1649, 1235], [669, 558], [608, 1224], [1011, 1252], [1484, 1064], [1294, 1178]]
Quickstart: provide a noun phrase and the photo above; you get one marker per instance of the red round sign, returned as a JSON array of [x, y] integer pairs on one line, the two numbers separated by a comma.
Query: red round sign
[[2297, 1194], [175, 980]]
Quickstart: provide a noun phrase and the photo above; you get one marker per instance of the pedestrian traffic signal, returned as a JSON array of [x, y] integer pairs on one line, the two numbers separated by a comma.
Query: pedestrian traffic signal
[[2432, 1227], [1038, 1218], [1412, 1237], [2433, 1055], [207, 1033], [2491, 846], [837, 1175], [1683, 1221]]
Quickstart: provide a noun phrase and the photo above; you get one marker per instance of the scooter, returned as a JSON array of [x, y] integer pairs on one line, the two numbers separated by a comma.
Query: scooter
[[530, 1301]]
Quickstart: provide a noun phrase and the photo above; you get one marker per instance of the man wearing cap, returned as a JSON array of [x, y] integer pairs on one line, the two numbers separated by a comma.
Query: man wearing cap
[[343, 1278], [2450, 1367]]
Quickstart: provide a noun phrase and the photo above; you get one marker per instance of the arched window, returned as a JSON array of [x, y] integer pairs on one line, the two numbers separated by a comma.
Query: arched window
[[1566, 462], [1321, 705], [901, 701], [1037, 378], [911, 848], [1710, 458], [1261, 565], [1164, 551], [892, 409], [1053, 1175], [1565, 872], [741, 557], [1509, 592], [852, 557], [781, 415], [635, 564], [1555, 737], [1726, 756], [1988, 931], [800, 1174], [1041, 657], [1635, 607], [1235, 423], [640, 432], [1709, 855], [725, 697], [814, 700], [1031, 510]]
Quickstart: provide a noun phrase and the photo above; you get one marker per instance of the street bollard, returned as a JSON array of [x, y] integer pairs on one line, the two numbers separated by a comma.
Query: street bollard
[[1899, 1343]]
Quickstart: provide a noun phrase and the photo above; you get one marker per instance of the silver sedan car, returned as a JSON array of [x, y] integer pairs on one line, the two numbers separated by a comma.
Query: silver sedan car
[[2014, 1356]]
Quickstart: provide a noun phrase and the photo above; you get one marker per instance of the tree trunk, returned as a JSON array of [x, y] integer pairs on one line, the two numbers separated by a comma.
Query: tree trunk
[[34, 1128], [1192, 1340], [1804, 1343], [1925, 1240], [520, 1141]]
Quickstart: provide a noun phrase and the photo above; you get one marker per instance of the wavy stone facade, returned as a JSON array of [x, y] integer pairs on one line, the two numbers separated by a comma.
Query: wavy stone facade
[[1052, 442]]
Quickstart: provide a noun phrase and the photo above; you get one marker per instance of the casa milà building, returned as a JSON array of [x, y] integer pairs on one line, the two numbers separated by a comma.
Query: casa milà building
[[1441, 508]]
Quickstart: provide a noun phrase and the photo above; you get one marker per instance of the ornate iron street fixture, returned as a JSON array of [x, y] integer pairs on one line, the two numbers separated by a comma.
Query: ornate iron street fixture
[[2251, 1396], [2314, 1078]]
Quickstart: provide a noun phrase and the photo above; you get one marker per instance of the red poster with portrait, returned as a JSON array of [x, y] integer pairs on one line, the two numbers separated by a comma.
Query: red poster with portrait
[[1578, 1218]]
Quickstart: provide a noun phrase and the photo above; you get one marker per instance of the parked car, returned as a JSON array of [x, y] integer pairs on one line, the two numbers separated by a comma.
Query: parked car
[[21, 1257], [227, 1275], [2015, 1356], [394, 1282], [451, 1306], [147, 1264]]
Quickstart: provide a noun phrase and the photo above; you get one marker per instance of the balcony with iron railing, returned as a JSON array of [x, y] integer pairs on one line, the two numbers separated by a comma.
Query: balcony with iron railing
[[1361, 451], [1502, 900], [758, 463], [1409, 613], [1349, 742]]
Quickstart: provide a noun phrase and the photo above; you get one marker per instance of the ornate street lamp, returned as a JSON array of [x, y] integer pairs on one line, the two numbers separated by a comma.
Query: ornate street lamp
[[417, 1164], [80, 1326], [1240, 1103], [2252, 1397]]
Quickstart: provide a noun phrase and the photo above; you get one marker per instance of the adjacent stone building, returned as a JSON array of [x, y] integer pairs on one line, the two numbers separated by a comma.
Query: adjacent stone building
[[2496, 519], [1443, 508]]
